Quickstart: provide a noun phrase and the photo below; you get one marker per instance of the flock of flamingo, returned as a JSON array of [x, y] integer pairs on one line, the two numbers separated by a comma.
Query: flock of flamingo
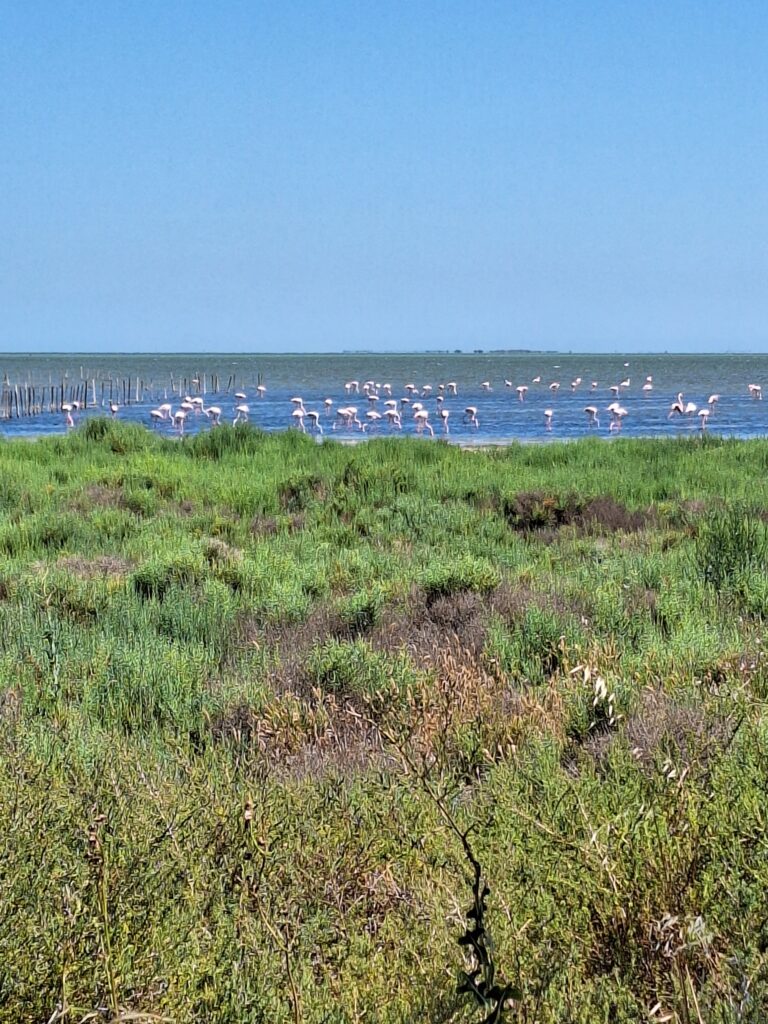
[[417, 404]]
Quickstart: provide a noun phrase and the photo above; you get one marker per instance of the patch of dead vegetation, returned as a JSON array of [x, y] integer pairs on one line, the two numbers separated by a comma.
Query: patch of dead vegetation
[[535, 512], [94, 568], [424, 628], [421, 627], [467, 716], [303, 736], [461, 715], [11, 706], [664, 728], [269, 526], [97, 496], [219, 552]]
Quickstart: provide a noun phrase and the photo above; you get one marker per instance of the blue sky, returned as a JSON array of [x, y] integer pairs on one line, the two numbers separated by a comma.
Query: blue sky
[[291, 176]]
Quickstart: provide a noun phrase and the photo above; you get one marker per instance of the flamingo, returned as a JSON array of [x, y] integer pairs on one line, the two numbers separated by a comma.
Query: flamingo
[[647, 388], [486, 385], [677, 408], [314, 418], [393, 418], [554, 387], [536, 380], [240, 396], [68, 418], [353, 417], [114, 408], [756, 391], [593, 386], [522, 391], [422, 422], [575, 383], [179, 418], [703, 417], [470, 416], [373, 418], [444, 414], [260, 391], [548, 414], [341, 417], [690, 408], [451, 387], [213, 412], [241, 416], [426, 390], [298, 418], [712, 401], [352, 387], [617, 419], [592, 419]]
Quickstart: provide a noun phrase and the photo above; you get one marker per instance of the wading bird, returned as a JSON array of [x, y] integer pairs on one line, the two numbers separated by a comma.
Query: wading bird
[[592, 419]]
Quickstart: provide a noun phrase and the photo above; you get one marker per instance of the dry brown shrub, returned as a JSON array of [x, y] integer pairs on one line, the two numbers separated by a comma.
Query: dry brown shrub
[[93, 568], [423, 628], [545, 514], [217, 551], [466, 716], [10, 706], [100, 496], [663, 727], [264, 526], [268, 526], [301, 736]]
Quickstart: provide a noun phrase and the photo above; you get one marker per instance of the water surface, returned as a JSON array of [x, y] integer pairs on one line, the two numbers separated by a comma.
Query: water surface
[[502, 417]]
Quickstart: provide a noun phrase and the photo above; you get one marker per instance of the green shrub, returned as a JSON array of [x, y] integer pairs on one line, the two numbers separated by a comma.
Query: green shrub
[[730, 545], [354, 669], [464, 574], [155, 577]]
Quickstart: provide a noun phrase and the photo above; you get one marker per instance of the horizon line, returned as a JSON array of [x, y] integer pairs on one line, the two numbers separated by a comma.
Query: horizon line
[[388, 352]]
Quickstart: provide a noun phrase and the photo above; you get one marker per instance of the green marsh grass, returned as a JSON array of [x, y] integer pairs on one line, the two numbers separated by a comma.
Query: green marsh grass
[[253, 690]]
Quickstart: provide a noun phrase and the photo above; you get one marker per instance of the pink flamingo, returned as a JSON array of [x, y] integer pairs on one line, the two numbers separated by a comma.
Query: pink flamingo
[[422, 422], [314, 418], [592, 419]]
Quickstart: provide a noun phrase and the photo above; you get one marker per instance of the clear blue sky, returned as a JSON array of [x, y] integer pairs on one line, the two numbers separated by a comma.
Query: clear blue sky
[[291, 176]]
